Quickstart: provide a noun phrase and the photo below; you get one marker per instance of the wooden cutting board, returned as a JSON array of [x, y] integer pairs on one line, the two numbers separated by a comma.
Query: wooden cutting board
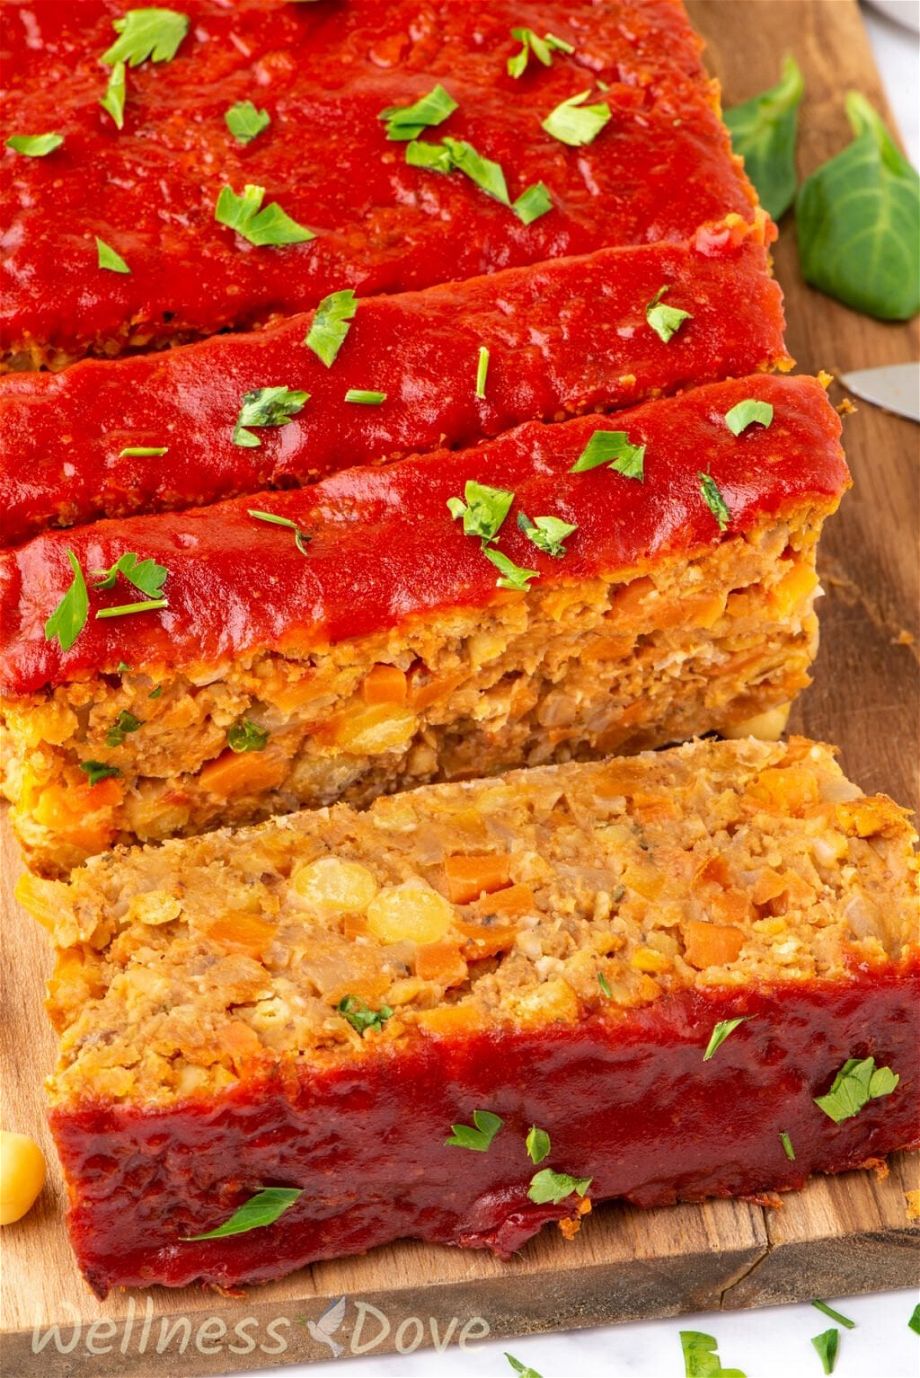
[[840, 1236]]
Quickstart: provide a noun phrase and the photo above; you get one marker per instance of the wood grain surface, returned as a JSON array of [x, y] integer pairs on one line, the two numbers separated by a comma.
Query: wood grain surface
[[842, 1235]]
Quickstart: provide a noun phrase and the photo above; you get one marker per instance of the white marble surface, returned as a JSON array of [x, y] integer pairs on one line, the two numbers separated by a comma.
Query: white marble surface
[[763, 1344]]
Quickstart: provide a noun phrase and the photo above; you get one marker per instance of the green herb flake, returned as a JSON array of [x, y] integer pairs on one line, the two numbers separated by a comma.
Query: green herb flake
[[827, 1345], [69, 617], [746, 413], [826, 1310], [615, 449], [549, 1186], [331, 323], [405, 122], [487, 175], [266, 407], [98, 770], [124, 609], [113, 102], [123, 668], [301, 539], [106, 257], [155, 693], [532, 203], [720, 1033], [787, 1146], [260, 226], [604, 985], [522, 1369], [146, 33], [576, 124], [482, 371], [665, 320], [511, 576], [483, 510], [914, 1322], [360, 1016], [262, 1209], [538, 1144], [364, 397], [714, 500], [142, 451], [854, 1086], [34, 145], [125, 722], [541, 48], [763, 131], [245, 121], [479, 1139], [432, 157], [145, 575], [247, 736], [546, 533], [700, 1357]]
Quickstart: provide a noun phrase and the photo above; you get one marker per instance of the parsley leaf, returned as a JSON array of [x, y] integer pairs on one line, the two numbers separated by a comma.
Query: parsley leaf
[[542, 49], [153, 33], [487, 174], [787, 1146], [330, 325], [260, 1210], [247, 736], [532, 203], [34, 145], [538, 1144], [98, 770], [113, 102], [574, 123], [547, 1185], [604, 985], [522, 1369], [365, 397], [834, 1315], [269, 225], [434, 157], [511, 576], [483, 511], [106, 257], [69, 617], [914, 1322], [301, 539], [480, 1138], [406, 122], [827, 1344], [720, 1033], [665, 320], [266, 407], [360, 1016], [546, 533], [701, 1359], [714, 500], [245, 121], [854, 1086], [145, 575], [142, 451], [122, 610], [615, 449], [125, 722], [482, 371], [744, 414]]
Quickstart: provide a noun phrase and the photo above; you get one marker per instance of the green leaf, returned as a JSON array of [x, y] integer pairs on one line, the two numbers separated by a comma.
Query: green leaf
[[914, 1322], [763, 131], [787, 1146], [142, 451], [604, 985], [546, 533], [114, 99], [615, 449], [364, 397], [483, 511], [511, 576], [301, 539], [433, 157], [106, 257], [245, 121], [69, 617], [406, 122], [854, 1086], [522, 1369], [547, 1185], [479, 1139], [720, 1033], [247, 736], [153, 33], [487, 174], [532, 203], [858, 222], [34, 145], [834, 1315], [542, 49], [576, 124], [482, 371], [331, 323], [270, 225], [701, 1359], [266, 407], [145, 575], [538, 1144], [712, 496], [361, 1016], [744, 414], [125, 722], [827, 1344], [665, 320], [123, 609], [260, 1210], [98, 770]]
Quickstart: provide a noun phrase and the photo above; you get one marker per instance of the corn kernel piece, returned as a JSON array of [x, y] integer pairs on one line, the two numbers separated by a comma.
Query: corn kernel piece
[[331, 885], [22, 1175], [412, 912], [375, 727]]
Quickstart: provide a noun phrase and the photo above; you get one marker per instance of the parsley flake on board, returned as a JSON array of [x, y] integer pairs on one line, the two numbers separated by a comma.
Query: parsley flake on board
[[538, 1144], [576, 124], [854, 1086], [541, 48], [827, 1345], [479, 1139], [245, 121], [113, 102], [405, 122], [714, 500], [142, 451], [98, 770], [787, 1145], [266, 407], [69, 617], [106, 257], [145, 575], [720, 1033], [700, 1357], [247, 736], [745, 413], [331, 323], [482, 371], [301, 539], [549, 1186], [615, 449], [365, 397], [511, 576], [483, 511], [262, 1209], [147, 33], [533, 202], [34, 145], [259, 225], [523, 1370], [665, 320], [546, 533], [834, 1315], [360, 1016], [125, 722]]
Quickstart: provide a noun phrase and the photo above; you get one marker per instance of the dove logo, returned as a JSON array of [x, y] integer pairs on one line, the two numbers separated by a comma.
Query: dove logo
[[328, 1324]]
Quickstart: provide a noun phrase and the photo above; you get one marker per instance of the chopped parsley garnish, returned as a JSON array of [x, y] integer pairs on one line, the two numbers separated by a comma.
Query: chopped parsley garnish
[[604, 985], [744, 414], [547, 1185], [574, 123], [98, 770], [365, 397], [145, 575], [260, 225], [546, 533], [511, 576], [538, 1144], [142, 451], [487, 175], [482, 371], [247, 736], [123, 667], [123, 609], [434, 157], [456, 155], [720, 1033], [69, 617], [106, 257], [360, 1016], [834, 1315], [405, 122], [665, 320], [483, 511], [479, 1139], [266, 407], [542, 49], [714, 500], [34, 145], [615, 449], [146, 33], [857, 1082], [523, 1370], [532, 203], [260, 1210], [701, 1359], [914, 1322], [331, 323], [155, 693], [113, 102], [125, 722], [827, 1345], [787, 1145], [245, 121], [301, 539]]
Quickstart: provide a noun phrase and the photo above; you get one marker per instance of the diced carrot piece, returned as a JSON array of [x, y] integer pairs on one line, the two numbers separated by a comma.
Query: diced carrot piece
[[234, 773], [711, 944], [654, 808], [468, 877], [630, 601], [440, 962], [422, 696], [715, 869], [609, 647], [513, 899], [237, 929], [865, 817], [730, 906], [787, 790], [444, 1020], [768, 886], [793, 588], [354, 925], [384, 684], [240, 1040]]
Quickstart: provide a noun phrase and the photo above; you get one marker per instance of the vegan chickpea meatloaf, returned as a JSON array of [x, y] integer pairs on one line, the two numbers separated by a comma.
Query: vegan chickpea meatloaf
[[157, 431], [480, 1006], [607, 583]]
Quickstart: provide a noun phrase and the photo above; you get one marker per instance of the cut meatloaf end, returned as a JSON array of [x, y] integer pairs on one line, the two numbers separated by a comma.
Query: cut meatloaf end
[[684, 974], [157, 431], [381, 637]]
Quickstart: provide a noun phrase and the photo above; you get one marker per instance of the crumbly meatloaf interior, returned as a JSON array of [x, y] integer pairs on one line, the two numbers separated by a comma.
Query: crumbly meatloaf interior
[[538, 897], [695, 643]]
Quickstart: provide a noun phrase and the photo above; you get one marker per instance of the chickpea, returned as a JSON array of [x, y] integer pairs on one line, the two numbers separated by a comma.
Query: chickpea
[[331, 885], [412, 912], [22, 1175]]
